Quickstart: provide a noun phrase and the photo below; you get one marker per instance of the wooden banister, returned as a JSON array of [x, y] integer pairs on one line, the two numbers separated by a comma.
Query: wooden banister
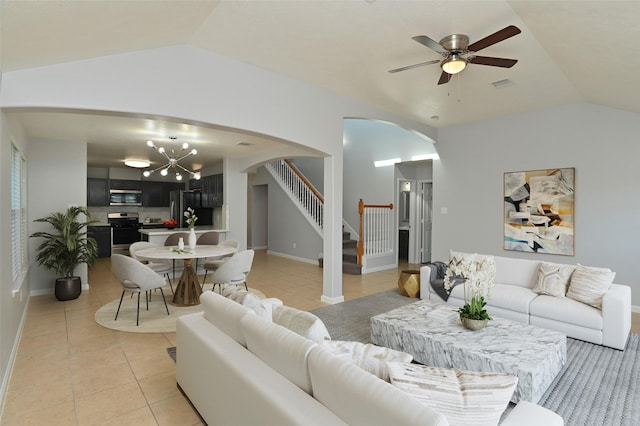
[[304, 179]]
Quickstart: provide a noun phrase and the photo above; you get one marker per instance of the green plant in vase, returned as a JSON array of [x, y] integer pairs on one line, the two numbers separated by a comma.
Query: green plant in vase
[[65, 247], [477, 274]]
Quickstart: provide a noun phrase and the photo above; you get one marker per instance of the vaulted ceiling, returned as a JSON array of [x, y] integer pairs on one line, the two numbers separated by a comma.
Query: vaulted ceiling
[[568, 51]]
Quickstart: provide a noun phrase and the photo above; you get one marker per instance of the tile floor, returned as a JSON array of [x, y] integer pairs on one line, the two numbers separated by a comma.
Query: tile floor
[[71, 371]]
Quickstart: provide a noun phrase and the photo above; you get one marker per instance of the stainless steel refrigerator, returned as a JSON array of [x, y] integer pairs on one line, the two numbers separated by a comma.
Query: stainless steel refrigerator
[[181, 200]]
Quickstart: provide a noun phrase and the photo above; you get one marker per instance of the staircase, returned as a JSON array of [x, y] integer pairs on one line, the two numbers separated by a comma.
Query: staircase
[[349, 255]]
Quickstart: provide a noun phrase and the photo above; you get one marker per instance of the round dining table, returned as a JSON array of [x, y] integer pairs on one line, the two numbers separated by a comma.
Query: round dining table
[[188, 290]]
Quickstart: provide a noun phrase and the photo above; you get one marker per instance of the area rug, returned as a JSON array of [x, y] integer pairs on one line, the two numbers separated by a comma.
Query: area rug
[[155, 320], [597, 386]]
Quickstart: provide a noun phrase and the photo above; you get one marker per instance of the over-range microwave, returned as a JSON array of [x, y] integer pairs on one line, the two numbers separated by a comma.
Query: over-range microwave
[[125, 197]]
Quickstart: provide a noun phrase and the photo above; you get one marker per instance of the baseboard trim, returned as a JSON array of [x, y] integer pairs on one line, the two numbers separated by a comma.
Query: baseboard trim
[[288, 256], [331, 300], [46, 291], [635, 309], [12, 357]]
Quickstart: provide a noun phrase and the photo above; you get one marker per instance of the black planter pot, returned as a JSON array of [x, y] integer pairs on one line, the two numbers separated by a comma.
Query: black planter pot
[[68, 288]]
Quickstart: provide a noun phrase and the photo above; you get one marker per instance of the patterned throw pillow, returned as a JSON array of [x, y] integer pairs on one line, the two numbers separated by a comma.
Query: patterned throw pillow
[[248, 299], [463, 397], [588, 285], [553, 279], [304, 323], [370, 358]]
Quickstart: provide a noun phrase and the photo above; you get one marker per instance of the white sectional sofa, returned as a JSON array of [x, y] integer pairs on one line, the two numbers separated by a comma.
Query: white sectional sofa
[[512, 297], [238, 368]]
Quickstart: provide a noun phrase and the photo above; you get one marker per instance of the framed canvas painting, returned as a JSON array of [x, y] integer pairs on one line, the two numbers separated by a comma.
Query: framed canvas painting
[[539, 211]]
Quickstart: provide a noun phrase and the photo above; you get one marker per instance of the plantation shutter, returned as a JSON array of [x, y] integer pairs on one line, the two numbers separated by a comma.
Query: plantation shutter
[[18, 213]]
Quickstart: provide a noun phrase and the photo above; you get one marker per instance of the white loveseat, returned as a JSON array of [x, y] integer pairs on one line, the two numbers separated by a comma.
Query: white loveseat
[[238, 368], [512, 297]]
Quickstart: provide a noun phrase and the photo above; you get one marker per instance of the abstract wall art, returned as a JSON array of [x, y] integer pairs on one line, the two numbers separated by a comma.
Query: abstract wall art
[[539, 211]]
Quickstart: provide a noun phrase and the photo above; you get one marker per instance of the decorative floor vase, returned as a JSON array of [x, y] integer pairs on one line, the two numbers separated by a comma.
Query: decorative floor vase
[[472, 324], [68, 288], [409, 283], [192, 239]]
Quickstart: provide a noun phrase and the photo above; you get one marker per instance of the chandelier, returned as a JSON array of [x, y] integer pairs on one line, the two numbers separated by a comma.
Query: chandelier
[[172, 161]]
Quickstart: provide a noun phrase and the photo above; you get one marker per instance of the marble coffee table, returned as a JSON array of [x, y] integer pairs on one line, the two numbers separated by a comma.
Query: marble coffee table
[[533, 354]]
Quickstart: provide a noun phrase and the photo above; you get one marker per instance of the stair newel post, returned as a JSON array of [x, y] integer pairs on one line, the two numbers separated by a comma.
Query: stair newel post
[[360, 237]]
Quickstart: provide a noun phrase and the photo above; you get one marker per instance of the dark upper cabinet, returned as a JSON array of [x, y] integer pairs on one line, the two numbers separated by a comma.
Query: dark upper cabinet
[[156, 194], [152, 194], [212, 187], [97, 192], [125, 184]]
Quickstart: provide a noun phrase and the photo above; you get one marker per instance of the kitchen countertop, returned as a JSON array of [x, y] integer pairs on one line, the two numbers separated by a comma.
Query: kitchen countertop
[[165, 231]]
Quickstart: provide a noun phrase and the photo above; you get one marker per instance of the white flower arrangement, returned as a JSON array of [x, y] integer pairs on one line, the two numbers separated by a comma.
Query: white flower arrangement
[[191, 217], [478, 275]]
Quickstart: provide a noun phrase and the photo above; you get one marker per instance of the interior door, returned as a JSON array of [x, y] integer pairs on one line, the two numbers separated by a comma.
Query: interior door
[[426, 220]]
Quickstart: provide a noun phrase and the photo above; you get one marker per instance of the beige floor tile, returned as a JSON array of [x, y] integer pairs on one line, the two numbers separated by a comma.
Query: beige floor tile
[[141, 417], [59, 415], [158, 363], [175, 411], [37, 397], [106, 405], [88, 381], [160, 387]]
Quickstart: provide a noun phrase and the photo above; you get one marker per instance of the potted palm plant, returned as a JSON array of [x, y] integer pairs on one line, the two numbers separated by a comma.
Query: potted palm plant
[[66, 247]]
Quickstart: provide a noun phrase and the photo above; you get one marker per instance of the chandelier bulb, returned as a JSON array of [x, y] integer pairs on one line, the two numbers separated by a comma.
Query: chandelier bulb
[[150, 143], [194, 151], [164, 172], [178, 176], [161, 150], [185, 145], [196, 175], [146, 173]]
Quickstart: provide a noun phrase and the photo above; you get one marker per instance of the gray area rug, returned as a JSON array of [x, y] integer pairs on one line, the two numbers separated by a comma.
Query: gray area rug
[[597, 386]]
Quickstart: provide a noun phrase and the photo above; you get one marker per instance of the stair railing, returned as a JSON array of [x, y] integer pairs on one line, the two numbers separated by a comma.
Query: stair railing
[[376, 231], [304, 195]]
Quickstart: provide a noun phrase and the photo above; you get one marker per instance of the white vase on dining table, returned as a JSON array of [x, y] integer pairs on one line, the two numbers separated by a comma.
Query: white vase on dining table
[[192, 239]]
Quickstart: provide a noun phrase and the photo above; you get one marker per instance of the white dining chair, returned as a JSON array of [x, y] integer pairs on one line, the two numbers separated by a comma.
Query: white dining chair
[[136, 277], [214, 263], [161, 267], [234, 271]]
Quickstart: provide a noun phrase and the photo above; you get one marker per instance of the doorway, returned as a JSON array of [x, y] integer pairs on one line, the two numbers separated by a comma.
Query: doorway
[[259, 217], [425, 213]]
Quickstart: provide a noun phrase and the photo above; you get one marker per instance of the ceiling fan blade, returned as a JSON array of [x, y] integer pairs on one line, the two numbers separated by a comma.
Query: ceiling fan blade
[[494, 62], [431, 44], [444, 78], [408, 67], [494, 38]]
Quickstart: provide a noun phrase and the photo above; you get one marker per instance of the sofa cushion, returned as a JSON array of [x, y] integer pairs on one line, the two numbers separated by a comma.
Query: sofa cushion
[[553, 279], [520, 272], [567, 311], [370, 358], [248, 299], [510, 297], [290, 358], [463, 397], [588, 285], [224, 314], [360, 398], [304, 323]]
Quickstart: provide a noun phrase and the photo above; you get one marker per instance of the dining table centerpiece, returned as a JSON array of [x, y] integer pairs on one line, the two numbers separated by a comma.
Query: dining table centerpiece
[[191, 218], [477, 274]]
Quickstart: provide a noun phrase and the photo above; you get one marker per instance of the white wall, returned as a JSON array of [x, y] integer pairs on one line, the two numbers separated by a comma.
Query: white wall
[[57, 179], [12, 306], [601, 143]]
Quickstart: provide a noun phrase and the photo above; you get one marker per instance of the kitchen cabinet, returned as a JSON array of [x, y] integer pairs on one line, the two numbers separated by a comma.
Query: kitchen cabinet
[[102, 235], [97, 192], [156, 194], [125, 184], [212, 190]]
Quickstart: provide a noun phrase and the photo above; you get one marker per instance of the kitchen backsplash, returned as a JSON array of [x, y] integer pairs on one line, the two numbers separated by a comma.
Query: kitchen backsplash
[[100, 213]]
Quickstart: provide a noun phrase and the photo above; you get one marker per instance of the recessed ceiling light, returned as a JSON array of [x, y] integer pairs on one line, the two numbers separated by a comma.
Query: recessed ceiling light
[[138, 164]]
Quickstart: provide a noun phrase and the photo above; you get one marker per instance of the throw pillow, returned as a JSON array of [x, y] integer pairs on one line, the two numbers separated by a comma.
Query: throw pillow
[[302, 322], [457, 258], [588, 285], [553, 279], [370, 358], [463, 397], [247, 299]]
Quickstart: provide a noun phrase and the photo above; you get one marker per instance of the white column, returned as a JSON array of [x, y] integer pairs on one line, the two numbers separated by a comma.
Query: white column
[[332, 231], [235, 202]]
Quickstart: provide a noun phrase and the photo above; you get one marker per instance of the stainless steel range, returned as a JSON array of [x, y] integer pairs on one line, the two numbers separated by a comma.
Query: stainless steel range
[[125, 231]]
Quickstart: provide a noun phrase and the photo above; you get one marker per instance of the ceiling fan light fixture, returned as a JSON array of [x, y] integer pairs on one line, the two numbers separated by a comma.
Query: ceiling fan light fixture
[[454, 64], [138, 164]]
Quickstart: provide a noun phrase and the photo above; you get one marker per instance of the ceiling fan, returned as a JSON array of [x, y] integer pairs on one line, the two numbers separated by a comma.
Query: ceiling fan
[[457, 52]]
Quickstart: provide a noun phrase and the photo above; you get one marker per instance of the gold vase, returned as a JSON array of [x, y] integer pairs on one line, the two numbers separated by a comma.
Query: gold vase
[[473, 324]]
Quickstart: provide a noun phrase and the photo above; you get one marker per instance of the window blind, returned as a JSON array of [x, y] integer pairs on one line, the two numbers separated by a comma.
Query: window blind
[[18, 213]]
